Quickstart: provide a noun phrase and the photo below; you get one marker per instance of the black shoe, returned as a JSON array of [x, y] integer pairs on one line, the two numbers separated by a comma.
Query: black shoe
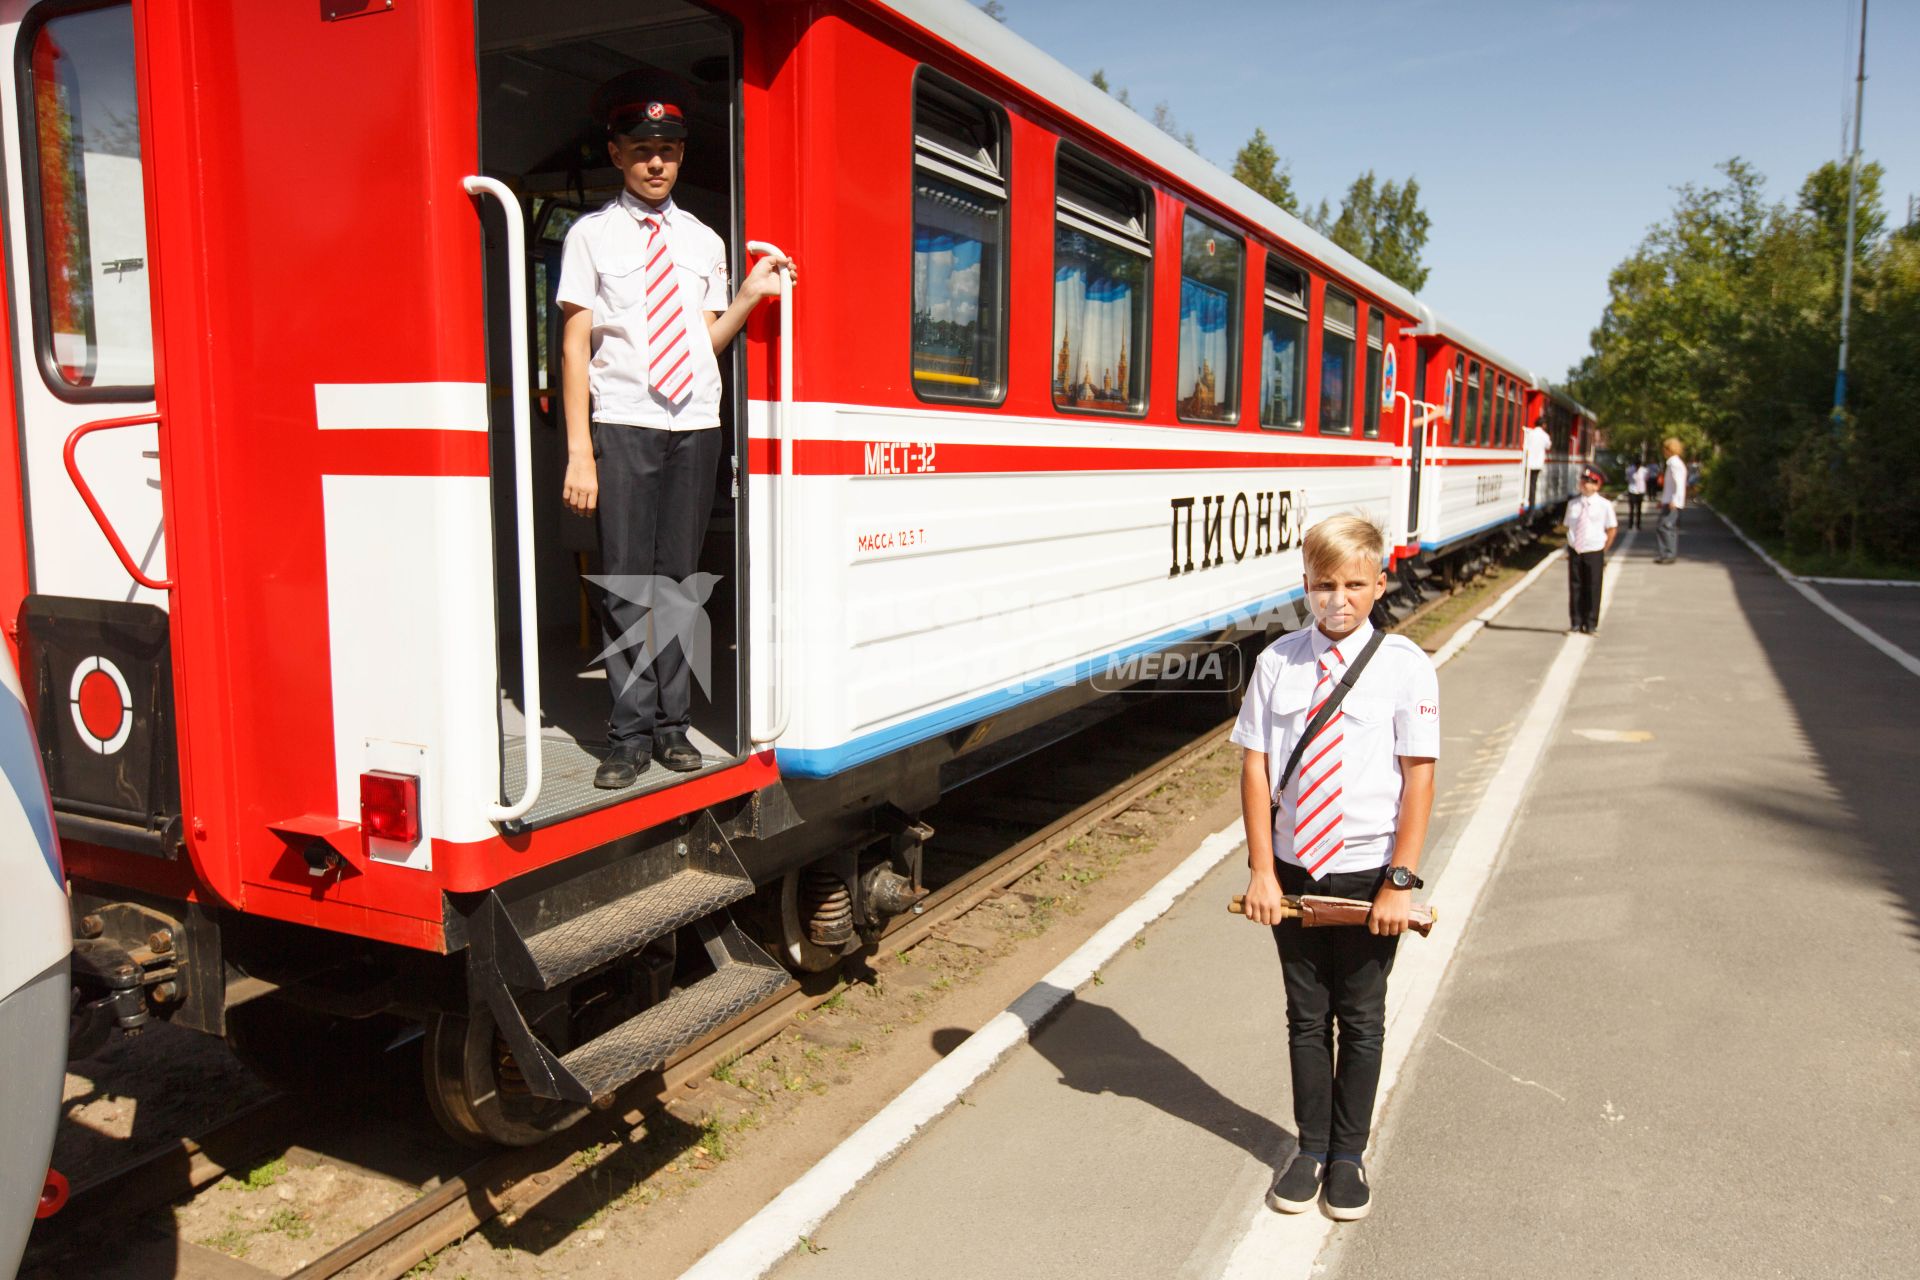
[[671, 748], [1298, 1187], [1348, 1199], [622, 767]]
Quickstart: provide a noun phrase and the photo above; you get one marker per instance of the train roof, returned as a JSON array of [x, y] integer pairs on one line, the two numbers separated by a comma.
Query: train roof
[[967, 27]]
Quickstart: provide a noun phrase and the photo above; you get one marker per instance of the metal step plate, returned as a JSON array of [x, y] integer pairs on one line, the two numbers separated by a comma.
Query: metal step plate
[[628, 923], [646, 1041]]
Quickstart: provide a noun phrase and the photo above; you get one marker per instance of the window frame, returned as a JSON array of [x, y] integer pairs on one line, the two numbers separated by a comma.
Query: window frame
[[1485, 436], [1066, 152], [952, 169], [1459, 397], [1301, 311], [1373, 373], [1236, 306], [1472, 397], [39, 302], [1352, 335]]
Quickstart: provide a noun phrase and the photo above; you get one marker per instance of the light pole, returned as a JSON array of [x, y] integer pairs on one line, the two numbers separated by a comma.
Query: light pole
[[1853, 199]]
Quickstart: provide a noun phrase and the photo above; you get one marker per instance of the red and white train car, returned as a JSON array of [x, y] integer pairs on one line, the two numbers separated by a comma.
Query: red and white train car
[[302, 619]]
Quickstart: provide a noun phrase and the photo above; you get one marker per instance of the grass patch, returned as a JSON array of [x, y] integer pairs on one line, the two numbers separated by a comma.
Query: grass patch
[[261, 1176], [1822, 564], [290, 1222]]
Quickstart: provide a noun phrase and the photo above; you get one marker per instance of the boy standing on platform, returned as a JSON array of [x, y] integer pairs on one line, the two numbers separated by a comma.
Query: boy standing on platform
[[1591, 528], [1673, 500], [1349, 821]]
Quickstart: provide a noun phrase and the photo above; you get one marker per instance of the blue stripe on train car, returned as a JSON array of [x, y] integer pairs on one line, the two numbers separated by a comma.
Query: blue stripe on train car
[[20, 760], [1468, 533], [823, 762]]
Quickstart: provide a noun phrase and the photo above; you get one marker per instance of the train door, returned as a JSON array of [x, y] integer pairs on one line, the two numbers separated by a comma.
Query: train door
[[1419, 422], [539, 64], [93, 624]]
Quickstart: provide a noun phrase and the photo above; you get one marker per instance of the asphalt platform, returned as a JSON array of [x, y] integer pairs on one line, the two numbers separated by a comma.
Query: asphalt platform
[[1677, 1039]]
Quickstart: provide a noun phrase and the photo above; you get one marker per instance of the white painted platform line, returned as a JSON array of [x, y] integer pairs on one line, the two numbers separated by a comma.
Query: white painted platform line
[[1859, 582], [763, 1240], [1285, 1245], [1845, 619]]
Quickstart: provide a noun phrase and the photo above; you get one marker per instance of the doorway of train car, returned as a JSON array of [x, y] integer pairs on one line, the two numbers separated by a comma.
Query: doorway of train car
[[540, 63]]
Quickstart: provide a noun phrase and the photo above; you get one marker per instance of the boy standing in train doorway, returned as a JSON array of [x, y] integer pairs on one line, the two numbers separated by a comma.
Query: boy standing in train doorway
[[643, 293]]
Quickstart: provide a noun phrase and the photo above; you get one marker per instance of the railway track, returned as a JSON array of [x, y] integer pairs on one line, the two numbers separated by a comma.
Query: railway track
[[513, 1181]]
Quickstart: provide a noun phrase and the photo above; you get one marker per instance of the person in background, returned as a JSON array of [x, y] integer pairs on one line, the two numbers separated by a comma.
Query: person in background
[[1637, 476], [1535, 444], [1673, 500], [1591, 528]]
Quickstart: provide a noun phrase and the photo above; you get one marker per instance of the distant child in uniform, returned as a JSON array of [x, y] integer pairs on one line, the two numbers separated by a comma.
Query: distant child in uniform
[[1349, 823], [1637, 476], [1591, 527]]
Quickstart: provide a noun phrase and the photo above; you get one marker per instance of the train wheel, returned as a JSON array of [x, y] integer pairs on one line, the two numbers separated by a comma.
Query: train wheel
[[815, 920], [301, 1050], [476, 1092]]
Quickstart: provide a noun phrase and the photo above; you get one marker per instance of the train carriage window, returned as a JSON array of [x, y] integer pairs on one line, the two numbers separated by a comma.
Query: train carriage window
[[1376, 351], [1499, 410], [959, 243], [1513, 413], [1283, 348], [1208, 386], [1454, 414], [1102, 256], [1485, 433], [1473, 404], [1338, 318], [86, 202]]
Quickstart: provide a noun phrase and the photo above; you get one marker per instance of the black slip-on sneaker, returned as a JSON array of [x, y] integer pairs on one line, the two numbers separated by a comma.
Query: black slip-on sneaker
[[1298, 1187], [1348, 1199]]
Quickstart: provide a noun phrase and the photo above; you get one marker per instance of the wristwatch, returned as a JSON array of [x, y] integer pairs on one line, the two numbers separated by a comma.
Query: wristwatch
[[1401, 878]]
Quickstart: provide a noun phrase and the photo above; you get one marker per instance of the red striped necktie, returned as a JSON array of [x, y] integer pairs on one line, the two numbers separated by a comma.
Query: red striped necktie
[[669, 347], [1317, 836]]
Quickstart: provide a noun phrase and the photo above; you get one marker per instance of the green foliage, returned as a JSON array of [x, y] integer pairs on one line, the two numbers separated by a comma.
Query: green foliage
[[1383, 225], [1722, 328], [1257, 165], [263, 1175]]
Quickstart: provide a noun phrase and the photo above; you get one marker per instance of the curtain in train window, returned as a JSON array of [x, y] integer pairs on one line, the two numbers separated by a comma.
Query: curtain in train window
[[957, 311], [97, 330], [1207, 388], [1338, 314], [1098, 323]]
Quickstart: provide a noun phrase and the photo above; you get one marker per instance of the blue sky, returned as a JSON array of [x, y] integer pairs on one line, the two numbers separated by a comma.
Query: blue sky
[[1547, 136]]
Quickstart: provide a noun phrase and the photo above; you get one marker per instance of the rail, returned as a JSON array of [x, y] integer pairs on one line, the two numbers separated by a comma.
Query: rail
[[522, 487], [93, 504], [786, 492]]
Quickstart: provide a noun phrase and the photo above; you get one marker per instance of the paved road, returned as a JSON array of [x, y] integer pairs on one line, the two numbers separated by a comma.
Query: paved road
[[1677, 1040]]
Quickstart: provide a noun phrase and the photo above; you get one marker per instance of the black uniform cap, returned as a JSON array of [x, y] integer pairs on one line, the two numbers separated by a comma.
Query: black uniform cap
[[642, 103]]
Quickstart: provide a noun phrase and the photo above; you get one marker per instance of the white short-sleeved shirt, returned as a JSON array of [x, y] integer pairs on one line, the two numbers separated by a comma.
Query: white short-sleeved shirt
[[1673, 485], [1589, 516], [1637, 478], [1393, 710], [602, 268], [1536, 444]]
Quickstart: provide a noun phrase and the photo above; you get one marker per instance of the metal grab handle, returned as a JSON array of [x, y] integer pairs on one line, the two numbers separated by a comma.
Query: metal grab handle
[[93, 504], [1429, 413], [522, 488], [788, 493]]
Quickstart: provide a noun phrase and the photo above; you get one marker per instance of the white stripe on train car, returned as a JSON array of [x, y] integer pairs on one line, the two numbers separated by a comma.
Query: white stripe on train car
[[400, 406], [410, 618]]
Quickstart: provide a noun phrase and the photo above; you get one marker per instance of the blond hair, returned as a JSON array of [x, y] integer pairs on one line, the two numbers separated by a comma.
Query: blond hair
[[1338, 539], [1673, 446]]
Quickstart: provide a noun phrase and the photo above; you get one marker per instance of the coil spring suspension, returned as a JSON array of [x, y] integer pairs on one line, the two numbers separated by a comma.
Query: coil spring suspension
[[505, 1070], [826, 907]]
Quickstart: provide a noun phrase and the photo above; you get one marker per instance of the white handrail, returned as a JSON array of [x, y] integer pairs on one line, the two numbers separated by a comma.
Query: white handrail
[[786, 493], [1428, 414], [522, 488]]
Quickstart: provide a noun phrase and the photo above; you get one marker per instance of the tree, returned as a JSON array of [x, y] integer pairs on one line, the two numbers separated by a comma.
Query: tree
[[994, 9], [1383, 225], [1100, 82], [1163, 120], [1258, 166]]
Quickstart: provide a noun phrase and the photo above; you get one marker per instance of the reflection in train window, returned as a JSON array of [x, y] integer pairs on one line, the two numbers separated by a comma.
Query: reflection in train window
[[1472, 416], [1208, 388], [1376, 360], [959, 243], [1336, 365], [1455, 401], [1283, 349], [1102, 249], [88, 204]]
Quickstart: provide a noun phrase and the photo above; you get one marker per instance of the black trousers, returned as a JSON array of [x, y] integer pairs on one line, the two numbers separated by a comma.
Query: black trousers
[[1336, 976], [1533, 488], [656, 494], [1634, 502], [1583, 587]]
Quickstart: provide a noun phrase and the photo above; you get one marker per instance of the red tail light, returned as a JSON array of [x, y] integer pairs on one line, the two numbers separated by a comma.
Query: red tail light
[[390, 806]]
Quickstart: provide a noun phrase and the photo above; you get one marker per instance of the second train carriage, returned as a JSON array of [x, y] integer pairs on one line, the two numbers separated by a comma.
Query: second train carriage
[[301, 616]]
